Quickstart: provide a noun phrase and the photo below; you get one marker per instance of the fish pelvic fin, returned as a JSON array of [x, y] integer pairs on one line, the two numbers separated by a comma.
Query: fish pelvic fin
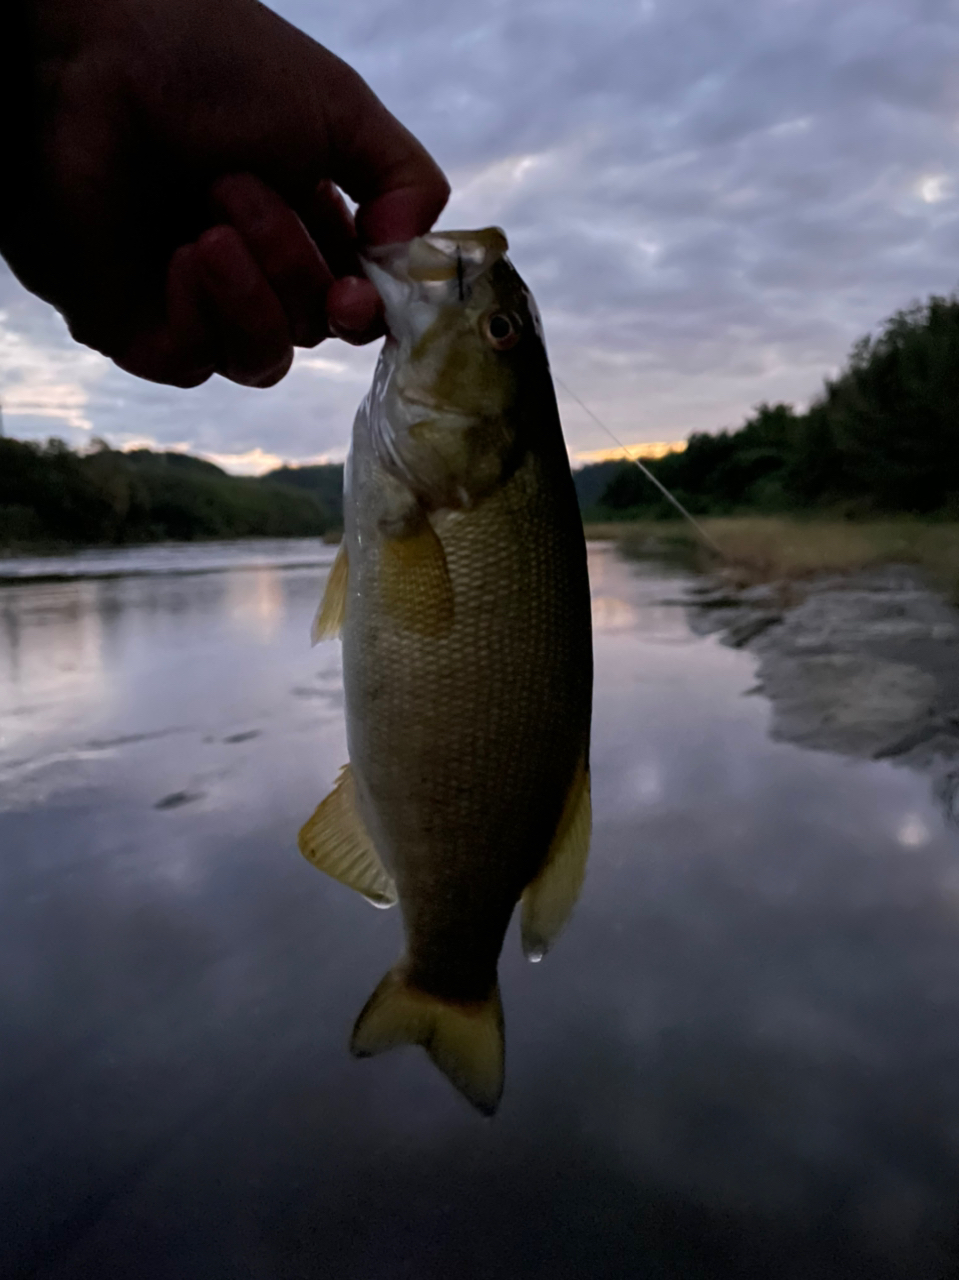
[[465, 1040], [328, 622], [336, 841], [548, 900]]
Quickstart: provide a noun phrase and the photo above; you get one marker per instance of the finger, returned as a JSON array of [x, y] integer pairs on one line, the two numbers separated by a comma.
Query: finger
[[184, 305], [398, 215], [355, 311], [399, 188], [251, 334], [331, 225], [353, 307], [283, 250], [152, 355], [179, 351]]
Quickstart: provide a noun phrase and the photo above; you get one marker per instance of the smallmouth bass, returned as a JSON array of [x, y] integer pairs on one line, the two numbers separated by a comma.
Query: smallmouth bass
[[461, 593]]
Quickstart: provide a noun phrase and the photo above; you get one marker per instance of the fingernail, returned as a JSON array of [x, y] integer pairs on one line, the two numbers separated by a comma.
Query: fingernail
[[354, 336]]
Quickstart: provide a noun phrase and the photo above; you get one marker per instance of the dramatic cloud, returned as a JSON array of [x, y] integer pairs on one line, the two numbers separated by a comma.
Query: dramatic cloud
[[711, 202]]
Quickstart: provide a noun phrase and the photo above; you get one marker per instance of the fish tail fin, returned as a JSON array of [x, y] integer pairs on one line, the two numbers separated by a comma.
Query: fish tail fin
[[465, 1040]]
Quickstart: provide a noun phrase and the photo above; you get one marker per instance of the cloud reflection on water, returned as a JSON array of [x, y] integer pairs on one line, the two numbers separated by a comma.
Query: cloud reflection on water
[[740, 1060], [255, 602], [51, 663]]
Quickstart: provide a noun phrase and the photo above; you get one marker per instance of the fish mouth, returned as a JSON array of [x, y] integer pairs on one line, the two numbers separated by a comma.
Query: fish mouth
[[439, 257], [417, 278]]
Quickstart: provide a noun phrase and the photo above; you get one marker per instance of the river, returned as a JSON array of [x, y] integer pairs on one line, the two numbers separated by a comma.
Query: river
[[740, 1060]]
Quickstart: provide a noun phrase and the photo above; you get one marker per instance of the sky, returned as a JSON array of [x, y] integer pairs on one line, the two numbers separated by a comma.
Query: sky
[[711, 200]]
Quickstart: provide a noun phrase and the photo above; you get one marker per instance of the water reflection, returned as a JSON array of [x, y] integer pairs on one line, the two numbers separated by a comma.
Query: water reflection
[[51, 663], [650, 614], [255, 602], [741, 1060]]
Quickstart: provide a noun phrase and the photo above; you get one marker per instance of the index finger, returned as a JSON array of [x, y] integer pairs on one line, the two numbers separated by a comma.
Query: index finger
[[399, 188]]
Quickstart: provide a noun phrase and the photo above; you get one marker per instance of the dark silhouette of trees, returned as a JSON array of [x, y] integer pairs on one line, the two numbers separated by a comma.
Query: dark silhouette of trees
[[882, 437], [50, 494]]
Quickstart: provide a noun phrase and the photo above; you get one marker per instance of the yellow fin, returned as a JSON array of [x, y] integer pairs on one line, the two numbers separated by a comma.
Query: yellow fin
[[329, 616], [548, 900], [336, 841], [415, 584], [464, 1040]]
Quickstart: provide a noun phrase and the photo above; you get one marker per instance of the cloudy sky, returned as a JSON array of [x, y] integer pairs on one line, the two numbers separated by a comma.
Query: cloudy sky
[[711, 199]]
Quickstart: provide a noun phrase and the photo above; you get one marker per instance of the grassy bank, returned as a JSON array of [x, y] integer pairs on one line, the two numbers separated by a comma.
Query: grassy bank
[[777, 548]]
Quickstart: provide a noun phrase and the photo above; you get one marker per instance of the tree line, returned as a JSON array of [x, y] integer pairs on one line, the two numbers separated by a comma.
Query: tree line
[[50, 495], [881, 437]]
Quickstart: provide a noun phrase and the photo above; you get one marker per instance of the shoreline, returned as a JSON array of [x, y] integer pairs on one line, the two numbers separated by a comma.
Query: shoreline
[[797, 548], [863, 664], [164, 559]]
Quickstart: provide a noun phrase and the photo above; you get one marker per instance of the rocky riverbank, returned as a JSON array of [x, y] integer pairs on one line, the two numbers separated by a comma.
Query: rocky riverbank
[[865, 664]]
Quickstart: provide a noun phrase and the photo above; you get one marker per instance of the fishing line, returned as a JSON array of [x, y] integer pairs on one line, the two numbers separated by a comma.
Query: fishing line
[[710, 542]]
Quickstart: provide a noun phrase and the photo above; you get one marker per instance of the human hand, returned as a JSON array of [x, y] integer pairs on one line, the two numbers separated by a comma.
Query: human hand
[[170, 184]]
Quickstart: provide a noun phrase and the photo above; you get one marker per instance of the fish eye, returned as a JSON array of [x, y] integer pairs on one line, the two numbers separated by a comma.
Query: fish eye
[[502, 330]]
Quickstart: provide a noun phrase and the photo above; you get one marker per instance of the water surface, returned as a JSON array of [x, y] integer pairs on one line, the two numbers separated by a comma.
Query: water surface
[[742, 1059]]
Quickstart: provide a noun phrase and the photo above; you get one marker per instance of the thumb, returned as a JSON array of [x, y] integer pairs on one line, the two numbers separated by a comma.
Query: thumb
[[398, 187]]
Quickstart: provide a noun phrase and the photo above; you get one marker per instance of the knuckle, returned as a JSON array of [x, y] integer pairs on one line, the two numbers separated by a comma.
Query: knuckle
[[260, 373]]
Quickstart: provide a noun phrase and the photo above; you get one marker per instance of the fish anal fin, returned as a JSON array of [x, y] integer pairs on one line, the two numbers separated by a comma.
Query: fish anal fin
[[415, 584], [548, 900], [464, 1040], [328, 622], [336, 841]]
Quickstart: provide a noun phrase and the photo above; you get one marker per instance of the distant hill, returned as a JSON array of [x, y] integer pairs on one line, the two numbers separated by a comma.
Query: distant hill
[[883, 436], [51, 495], [324, 482], [592, 481]]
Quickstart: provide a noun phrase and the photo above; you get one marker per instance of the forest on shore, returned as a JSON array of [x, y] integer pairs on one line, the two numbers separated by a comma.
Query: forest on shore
[[882, 438], [51, 495]]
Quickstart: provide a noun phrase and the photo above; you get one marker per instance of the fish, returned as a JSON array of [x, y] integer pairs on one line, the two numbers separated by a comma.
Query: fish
[[461, 594]]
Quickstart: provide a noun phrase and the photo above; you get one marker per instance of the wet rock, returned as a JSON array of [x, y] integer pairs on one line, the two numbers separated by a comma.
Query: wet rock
[[864, 665], [748, 626], [856, 704], [765, 595], [845, 619], [719, 600], [705, 621]]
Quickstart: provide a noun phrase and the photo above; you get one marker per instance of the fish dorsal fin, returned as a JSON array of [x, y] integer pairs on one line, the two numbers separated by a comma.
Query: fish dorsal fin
[[415, 584], [548, 900], [464, 1040], [336, 840], [328, 622]]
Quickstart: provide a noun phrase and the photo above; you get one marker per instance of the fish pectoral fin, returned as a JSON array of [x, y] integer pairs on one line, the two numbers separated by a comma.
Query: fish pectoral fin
[[548, 901], [336, 840], [464, 1040], [415, 584], [328, 622]]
